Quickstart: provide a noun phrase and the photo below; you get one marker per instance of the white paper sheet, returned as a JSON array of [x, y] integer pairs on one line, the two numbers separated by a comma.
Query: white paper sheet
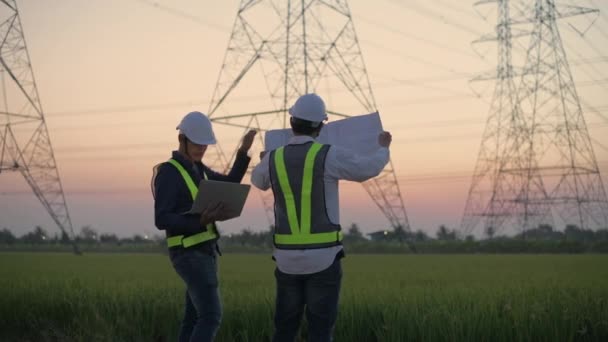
[[355, 133]]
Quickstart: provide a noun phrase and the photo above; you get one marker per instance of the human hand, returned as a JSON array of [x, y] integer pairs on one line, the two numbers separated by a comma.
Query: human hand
[[385, 139], [248, 140], [214, 213]]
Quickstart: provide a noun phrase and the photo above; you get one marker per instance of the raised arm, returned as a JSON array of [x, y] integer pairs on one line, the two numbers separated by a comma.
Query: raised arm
[[260, 177], [350, 165], [241, 162]]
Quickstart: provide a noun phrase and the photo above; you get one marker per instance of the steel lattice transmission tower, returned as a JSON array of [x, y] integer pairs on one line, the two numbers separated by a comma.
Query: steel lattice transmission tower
[[25, 145], [559, 139], [283, 49], [536, 162], [497, 197]]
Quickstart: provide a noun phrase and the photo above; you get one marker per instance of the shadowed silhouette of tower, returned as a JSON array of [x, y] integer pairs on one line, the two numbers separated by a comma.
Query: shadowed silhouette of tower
[[25, 145], [287, 48]]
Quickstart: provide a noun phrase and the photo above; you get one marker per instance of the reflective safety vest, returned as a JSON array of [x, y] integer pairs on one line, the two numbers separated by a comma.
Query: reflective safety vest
[[209, 234], [297, 177]]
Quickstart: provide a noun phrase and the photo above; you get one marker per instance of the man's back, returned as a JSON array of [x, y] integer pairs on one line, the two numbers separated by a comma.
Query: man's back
[[339, 164]]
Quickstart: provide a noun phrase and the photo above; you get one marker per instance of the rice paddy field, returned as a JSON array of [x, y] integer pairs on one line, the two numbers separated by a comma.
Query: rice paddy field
[[138, 297]]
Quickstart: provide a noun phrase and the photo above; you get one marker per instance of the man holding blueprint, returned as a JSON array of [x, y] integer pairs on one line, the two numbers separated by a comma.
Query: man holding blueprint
[[303, 167], [191, 237]]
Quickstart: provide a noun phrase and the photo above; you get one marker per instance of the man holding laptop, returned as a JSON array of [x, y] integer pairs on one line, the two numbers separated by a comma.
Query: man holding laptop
[[191, 238]]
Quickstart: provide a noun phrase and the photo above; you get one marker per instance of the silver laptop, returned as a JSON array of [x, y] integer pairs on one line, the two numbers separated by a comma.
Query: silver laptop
[[210, 193]]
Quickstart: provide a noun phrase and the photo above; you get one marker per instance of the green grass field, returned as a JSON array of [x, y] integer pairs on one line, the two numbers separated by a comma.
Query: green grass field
[[138, 297]]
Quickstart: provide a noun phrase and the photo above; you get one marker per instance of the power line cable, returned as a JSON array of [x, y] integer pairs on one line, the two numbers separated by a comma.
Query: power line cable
[[450, 6], [377, 24], [184, 15], [434, 16]]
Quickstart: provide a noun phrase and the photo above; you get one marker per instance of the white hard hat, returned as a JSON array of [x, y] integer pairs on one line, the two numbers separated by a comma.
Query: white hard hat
[[196, 126], [309, 107]]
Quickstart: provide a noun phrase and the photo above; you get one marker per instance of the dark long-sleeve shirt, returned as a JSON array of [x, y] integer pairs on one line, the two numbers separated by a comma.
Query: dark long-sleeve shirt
[[172, 198]]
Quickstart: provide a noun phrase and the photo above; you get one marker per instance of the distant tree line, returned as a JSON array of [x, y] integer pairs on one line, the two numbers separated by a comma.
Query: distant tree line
[[543, 239], [88, 238]]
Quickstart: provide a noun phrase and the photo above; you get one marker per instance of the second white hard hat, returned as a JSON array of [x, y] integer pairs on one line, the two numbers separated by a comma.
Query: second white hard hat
[[309, 107], [196, 126]]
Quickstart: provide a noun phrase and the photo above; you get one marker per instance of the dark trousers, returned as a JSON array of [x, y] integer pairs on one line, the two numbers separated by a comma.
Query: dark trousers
[[318, 293], [203, 310]]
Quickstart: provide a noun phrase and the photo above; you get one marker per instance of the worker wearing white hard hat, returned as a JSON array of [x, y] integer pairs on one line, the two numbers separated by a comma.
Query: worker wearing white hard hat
[[304, 178], [310, 108], [196, 126], [191, 238], [195, 134]]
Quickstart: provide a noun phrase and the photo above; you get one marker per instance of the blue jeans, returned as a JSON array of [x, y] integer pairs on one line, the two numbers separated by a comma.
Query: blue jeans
[[203, 312], [318, 293]]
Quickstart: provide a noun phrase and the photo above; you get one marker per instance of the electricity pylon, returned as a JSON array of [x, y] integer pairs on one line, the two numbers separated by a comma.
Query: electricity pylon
[[284, 49], [536, 162], [559, 140], [25, 145]]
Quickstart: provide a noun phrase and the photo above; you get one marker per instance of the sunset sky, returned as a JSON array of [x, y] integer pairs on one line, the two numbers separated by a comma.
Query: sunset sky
[[116, 76]]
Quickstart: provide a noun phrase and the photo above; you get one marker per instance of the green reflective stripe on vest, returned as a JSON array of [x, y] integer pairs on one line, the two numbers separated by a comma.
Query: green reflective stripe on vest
[[199, 238], [309, 163], [290, 202], [174, 241], [305, 239], [300, 229], [191, 240], [186, 176]]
